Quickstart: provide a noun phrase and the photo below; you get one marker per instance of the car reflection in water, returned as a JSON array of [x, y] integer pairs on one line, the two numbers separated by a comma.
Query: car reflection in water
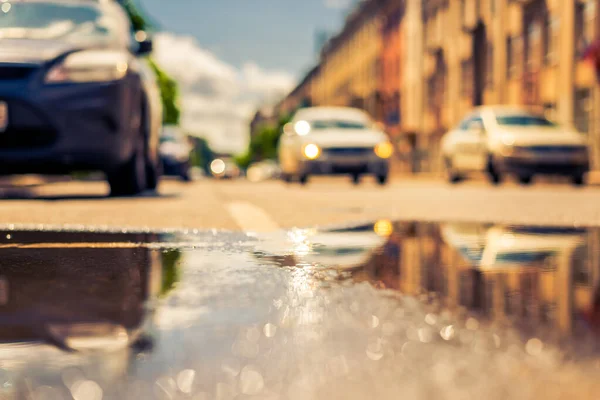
[[79, 304], [541, 280], [544, 281]]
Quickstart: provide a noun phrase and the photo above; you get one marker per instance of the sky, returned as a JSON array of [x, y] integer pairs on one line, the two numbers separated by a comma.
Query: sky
[[233, 56]]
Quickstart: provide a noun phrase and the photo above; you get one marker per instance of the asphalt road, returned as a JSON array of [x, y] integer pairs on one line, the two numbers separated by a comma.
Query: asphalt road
[[382, 311], [268, 206]]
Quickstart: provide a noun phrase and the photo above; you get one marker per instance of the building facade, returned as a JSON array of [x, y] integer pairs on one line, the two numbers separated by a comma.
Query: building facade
[[524, 52], [390, 79], [419, 66], [351, 62]]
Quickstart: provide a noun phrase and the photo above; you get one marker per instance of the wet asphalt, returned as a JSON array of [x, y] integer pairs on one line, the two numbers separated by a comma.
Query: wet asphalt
[[386, 309]]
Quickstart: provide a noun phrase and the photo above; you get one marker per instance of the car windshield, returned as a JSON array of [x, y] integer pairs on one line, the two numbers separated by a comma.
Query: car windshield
[[337, 124], [523, 120], [168, 139], [68, 21]]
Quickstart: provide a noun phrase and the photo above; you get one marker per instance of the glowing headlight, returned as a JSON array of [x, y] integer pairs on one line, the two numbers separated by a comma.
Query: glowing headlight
[[217, 166], [89, 66], [384, 150], [302, 128], [311, 151], [383, 228]]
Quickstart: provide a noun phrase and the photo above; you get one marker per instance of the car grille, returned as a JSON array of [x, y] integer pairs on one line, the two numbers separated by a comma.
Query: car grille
[[27, 128], [348, 151], [556, 149], [11, 73], [26, 138]]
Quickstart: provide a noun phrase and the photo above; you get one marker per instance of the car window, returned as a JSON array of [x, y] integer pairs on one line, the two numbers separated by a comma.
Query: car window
[[523, 120], [68, 21], [336, 124], [475, 123], [463, 126], [470, 123]]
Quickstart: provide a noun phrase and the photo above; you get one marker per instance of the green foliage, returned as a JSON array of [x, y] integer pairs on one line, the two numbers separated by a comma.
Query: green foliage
[[263, 146], [202, 155], [137, 19], [168, 86], [170, 95], [170, 275]]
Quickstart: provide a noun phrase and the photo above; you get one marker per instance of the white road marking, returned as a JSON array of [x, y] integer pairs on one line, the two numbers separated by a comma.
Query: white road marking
[[251, 218]]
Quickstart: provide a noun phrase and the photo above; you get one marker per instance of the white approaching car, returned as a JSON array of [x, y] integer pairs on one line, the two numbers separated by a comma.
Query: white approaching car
[[501, 140], [332, 141]]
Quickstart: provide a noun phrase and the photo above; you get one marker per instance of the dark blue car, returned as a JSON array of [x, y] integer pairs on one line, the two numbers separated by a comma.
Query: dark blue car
[[76, 94]]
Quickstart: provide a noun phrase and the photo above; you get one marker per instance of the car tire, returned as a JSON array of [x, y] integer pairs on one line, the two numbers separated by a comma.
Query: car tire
[[356, 179], [382, 179], [451, 175], [131, 178], [578, 180], [185, 176], [525, 179], [303, 179], [287, 178], [494, 176], [153, 174], [184, 173]]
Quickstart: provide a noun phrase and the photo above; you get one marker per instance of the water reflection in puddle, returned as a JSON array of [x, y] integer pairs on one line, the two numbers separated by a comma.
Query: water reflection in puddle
[[385, 309]]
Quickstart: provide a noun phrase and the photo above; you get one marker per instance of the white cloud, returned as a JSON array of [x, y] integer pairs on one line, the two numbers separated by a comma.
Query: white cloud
[[218, 100], [339, 4]]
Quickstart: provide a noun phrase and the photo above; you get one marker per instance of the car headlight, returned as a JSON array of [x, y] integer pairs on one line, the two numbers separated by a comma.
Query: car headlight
[[89, 66], [311, 151], [384, 150]]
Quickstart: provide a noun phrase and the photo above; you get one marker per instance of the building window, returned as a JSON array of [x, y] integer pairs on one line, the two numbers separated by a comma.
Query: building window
[[431, 91], [550, 111], [489, 65], [532, 45], [510, 58], [467, 78], [580, 39], [590, 20], [551, 39], [583, 110], [546, 39]]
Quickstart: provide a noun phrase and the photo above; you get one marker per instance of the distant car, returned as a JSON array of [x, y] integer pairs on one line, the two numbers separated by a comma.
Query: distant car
[[175, 153], [333, 141], [224, 169], [262, 171], [505, 140], [75, 94]]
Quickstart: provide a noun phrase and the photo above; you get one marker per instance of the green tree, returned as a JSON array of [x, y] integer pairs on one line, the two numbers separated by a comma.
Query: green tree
[[202, 155], [263, 146], [168, 86], [169, 94]]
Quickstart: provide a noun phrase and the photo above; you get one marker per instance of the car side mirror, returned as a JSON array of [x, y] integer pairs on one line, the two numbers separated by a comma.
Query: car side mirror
[[145, 45], [288, 129]]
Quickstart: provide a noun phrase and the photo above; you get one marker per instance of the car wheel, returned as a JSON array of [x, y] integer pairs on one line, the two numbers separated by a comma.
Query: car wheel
[[153, 174], [494, 176], [382, 179], [451, 175], [185, 176], [356, 179], [287, 178], [130, 179], [303, 179], [184, 173], [525, 179], [578, 180]]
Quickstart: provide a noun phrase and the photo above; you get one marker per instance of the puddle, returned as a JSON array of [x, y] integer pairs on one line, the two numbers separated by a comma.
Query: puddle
[[386, 310]]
